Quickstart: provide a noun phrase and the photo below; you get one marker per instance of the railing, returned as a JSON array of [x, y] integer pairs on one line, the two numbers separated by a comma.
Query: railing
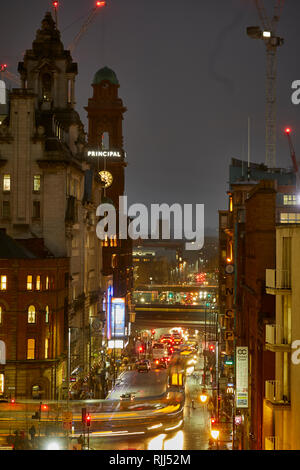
[[274, 334], [274, 392], [278, 279]]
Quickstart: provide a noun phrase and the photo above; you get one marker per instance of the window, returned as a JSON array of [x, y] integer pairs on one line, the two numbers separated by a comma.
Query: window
[[289, 218], [37, 183], [1, 383], [1, 315], [29, 282], [46, 86], [31, 314], [31, 348], [47, 314], [5, 209], [3, 283], [36, 209], [69, 91], [6, 183], [46, 348], [289, 200], [38, 283]]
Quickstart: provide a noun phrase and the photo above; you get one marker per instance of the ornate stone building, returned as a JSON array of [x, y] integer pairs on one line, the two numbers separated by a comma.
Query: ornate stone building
[[48, 190]]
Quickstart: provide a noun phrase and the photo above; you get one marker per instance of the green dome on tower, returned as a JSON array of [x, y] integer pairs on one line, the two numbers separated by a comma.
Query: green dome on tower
[[105, 74]]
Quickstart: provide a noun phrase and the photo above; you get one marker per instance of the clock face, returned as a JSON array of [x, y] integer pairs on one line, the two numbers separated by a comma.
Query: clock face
[[106, 178]]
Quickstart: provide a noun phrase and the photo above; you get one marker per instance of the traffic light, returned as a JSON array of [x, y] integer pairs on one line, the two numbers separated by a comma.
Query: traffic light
[[212, 348], [44, 407], [12, 401], [101, 4], [88, 419]]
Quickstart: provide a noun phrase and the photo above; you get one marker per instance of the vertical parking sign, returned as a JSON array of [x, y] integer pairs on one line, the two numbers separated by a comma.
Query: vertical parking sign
[[242, 377]]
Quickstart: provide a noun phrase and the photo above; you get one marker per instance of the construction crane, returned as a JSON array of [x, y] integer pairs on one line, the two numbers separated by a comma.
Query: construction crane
[[288, 131], [268, 34], [5, 74], [86, 24]]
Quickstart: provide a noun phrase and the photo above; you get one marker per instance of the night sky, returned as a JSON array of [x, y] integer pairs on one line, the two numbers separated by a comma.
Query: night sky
[[189, 76]]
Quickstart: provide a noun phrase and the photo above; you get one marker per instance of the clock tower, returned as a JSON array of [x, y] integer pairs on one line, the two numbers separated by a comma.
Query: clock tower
[[105, 136]]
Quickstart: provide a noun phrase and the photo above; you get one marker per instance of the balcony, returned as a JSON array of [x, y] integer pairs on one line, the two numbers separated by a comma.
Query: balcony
[[274, 394], [275, 340], [278, 281]]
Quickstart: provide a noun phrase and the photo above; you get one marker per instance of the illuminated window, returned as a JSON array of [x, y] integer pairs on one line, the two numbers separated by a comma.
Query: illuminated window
[[47, 283], [38, 283], [1, 383], [6, 183], [289, 218], [37, 183], [230, 204], [46, 348], [289, 200], [31, 314], [47, 314], [29, 282], [1, 315], [3, 285], [31, 348]]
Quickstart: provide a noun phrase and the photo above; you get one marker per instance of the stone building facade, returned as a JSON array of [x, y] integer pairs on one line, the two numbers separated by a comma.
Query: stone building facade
[[48, 190]]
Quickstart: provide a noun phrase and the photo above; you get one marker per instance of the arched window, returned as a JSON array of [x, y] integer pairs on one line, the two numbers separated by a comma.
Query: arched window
[[47, 314], [31, 314], [31, 348], [46, 86], [105, 141]]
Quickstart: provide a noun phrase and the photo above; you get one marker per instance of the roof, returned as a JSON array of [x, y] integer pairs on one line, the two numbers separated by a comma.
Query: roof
[[105, 74], [10, 249]]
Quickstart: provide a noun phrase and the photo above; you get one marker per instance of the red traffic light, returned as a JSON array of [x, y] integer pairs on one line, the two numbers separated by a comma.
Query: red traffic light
[[141, 348], [212, 348], [88, 420], [13, 401], [213, 421], [288, 130], [44, 407], [55, 4], [100, 4]]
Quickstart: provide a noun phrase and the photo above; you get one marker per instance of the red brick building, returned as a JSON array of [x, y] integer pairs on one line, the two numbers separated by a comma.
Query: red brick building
[[33, 320]]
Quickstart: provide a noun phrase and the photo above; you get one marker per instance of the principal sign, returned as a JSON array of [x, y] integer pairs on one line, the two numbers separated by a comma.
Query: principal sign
[[105, 153]]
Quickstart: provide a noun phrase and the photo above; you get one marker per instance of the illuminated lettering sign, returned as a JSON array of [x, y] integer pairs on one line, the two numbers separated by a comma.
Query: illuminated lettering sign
[[105, 153], [118, 317]]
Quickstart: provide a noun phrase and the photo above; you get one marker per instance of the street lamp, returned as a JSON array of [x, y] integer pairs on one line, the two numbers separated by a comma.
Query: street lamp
[[203, 397]]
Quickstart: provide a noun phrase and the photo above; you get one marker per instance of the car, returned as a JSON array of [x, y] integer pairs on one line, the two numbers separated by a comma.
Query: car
[[160, 363], [127, 396], [166, 339], [144, 366]]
